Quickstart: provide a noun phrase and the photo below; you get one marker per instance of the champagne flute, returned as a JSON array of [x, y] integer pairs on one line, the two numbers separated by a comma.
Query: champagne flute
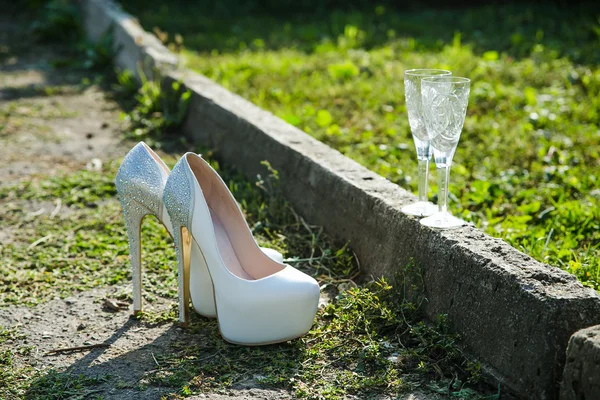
[[412, 93], [445, 101]]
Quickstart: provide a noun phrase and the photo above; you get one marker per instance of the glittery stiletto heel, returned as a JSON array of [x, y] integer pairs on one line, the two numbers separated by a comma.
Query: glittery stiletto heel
[[140, 182], [134, 213]]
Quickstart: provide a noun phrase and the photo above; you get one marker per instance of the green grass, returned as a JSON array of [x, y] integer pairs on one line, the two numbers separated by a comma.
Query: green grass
[[85, 248], [12, 375], [154, 112], [526, 168], [54, 385]]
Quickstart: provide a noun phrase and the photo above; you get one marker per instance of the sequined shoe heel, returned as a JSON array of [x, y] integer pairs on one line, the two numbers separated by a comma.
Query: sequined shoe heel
[[134, 213], [140, 182]]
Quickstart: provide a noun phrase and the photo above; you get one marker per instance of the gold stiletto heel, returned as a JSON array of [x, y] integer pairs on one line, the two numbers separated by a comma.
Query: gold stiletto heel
[[183, 248]]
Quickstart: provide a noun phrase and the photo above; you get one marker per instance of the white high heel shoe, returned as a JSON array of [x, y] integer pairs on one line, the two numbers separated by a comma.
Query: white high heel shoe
[[258, 300], [140, 182]]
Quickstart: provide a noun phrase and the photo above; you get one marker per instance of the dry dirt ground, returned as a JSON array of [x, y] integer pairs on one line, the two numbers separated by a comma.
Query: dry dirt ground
[[55, 125]]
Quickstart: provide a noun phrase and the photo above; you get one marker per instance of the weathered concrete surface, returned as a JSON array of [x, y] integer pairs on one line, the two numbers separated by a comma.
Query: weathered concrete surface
[[581, 379], [514, 314]]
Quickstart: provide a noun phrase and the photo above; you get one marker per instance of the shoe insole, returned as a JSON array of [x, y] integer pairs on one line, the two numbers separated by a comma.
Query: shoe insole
[[226, 249]]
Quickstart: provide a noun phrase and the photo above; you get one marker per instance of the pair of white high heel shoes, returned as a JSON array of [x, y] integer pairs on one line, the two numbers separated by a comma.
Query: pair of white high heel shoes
[[256, 298]]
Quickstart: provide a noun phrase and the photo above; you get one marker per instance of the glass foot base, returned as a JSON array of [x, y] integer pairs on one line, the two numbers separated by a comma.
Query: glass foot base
[[420, 209], [443, 220]]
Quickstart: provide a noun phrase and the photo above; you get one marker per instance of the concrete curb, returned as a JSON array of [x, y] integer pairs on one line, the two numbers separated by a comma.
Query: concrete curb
[[515, 315]]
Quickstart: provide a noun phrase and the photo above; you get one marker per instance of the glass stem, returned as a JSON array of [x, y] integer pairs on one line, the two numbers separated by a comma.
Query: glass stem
[[443, 177], [423, 175]]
